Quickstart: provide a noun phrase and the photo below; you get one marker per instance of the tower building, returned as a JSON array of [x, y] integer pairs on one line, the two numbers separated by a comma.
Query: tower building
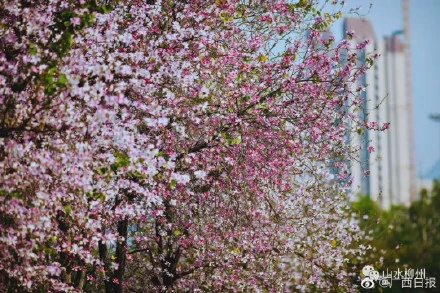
[[388, 99]]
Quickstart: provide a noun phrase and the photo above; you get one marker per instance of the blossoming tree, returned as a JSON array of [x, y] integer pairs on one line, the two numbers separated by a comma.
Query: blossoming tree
[[155, 146]]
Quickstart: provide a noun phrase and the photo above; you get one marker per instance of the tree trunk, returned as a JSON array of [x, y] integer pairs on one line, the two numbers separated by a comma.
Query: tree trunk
[[120, 257], [103, 256]]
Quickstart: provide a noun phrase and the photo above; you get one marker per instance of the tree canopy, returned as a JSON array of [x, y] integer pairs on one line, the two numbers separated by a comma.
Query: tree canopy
[[175, 146]]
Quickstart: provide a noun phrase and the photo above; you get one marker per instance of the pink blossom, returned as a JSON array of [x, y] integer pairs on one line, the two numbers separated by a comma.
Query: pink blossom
[[360, 46], [385, 126], [54, 269], [200, 174], [75, 21], [373, 124]]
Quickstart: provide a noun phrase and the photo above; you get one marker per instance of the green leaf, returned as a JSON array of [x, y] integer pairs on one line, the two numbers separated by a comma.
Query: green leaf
[[32, 49], [225, 135], [50, 89], [173, 184], [96, 195], [64, 44], [302, 3], [162, 154], [68, 209], [67, 14], [106, 8], [88, 19], [62, 79], [233, 141], [114, 167], [17, 195], [69, 40], [135, 175], [52, 69], [122, 160]]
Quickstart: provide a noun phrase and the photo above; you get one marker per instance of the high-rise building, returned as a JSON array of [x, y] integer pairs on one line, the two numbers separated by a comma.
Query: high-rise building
[[387, 99]]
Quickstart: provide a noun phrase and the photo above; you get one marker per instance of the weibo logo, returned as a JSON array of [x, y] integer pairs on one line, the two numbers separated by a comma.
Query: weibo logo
[[370, 276]]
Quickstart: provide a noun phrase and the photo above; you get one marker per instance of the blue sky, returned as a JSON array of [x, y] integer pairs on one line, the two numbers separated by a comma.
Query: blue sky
[[386, 16]]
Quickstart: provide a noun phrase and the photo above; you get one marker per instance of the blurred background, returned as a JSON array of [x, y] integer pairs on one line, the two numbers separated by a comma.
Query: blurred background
[[398, 204], [424, 22], [387, 19]]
